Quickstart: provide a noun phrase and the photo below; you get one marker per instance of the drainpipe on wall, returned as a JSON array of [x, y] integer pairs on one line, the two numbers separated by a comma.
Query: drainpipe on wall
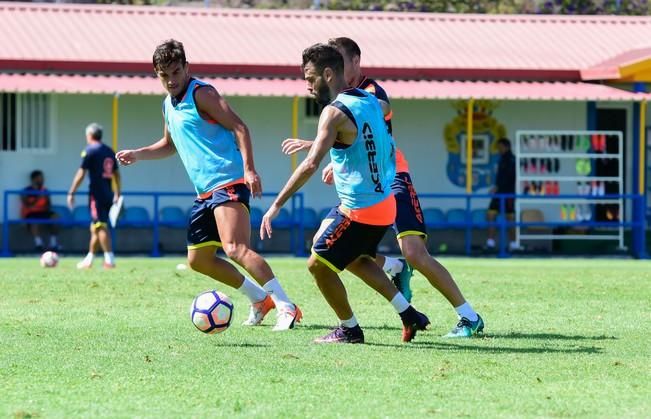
[[294, 129], [469, 127], [116, 98], [469, 135], [639, 169]]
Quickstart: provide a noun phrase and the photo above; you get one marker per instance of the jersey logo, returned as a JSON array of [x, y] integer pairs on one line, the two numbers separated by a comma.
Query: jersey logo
[[107, 166], [367, 134]]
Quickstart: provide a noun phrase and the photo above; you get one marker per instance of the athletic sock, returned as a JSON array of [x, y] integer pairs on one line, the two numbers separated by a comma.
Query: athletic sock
[[89, 258], [109, 258], [350, 323], [53, 241], [38, 241], [400, 303], [252, 290], [490, 242], [392, 266], [275, 290], [466, 310]]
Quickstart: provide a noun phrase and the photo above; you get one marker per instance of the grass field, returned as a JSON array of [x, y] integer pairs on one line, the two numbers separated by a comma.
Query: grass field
[[563, 338]]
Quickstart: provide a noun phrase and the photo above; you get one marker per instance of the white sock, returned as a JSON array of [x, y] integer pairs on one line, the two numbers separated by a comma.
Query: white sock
[[352, 322], [275, 290], [89, 258], [513, 245], [400, 303], [490, 242], [38, 241], [53, 241], [252, 290], [109, 258], [466, 310], [392, 266]]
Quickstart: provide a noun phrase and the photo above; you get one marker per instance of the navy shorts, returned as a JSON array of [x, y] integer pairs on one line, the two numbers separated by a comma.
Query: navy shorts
[[509, 205], [202, 230], [409, 215], [340, 241], [99, 210]]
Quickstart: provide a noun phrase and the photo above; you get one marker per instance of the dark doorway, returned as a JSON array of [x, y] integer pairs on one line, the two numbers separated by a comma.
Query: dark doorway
[[611, 120]]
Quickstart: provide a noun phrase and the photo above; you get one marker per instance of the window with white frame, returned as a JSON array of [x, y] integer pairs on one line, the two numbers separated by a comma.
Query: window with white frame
[[25, 122]]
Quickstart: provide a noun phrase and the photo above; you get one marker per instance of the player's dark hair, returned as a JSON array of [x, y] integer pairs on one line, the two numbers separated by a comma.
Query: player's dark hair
[[505, 142], [170, 51], [35, 174], [346, 44], [322, 56]]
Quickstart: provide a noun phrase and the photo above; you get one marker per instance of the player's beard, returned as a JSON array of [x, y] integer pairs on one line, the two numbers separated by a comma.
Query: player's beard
[[322, 95]]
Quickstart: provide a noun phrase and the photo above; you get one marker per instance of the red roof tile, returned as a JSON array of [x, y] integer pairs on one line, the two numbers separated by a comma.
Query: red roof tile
[[270, 42], [397, 89]]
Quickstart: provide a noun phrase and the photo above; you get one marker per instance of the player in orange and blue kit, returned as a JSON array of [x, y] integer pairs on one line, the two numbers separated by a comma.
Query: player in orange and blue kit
[[352, 130], [409, 223], [98, 160], [215, 148]]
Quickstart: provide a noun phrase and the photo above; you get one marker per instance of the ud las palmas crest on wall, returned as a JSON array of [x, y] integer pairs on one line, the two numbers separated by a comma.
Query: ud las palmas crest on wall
[[486, 132]]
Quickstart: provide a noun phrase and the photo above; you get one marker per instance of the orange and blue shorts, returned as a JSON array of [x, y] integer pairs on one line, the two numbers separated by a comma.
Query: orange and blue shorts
[[409, 215], [202, 228], [346, 234]]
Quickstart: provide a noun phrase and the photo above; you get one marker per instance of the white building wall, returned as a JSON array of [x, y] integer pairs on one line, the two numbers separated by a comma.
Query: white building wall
[[418, 129]]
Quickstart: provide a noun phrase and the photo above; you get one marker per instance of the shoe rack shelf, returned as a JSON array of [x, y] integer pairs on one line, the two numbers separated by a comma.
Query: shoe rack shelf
[[555, 170]]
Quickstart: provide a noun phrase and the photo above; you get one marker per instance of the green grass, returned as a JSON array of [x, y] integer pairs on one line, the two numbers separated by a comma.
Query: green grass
[[564, 338]]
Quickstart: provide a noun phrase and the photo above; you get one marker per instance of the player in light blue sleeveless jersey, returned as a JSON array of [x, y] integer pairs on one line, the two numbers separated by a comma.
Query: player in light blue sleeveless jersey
[[215, 147], [352, 129]]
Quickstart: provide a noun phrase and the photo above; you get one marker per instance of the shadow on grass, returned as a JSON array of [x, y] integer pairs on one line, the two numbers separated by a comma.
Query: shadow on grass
[[547, 336], [330, 327], [485, 349], [239, 345]]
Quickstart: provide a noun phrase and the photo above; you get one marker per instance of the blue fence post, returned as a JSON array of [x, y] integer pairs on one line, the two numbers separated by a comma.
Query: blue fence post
[[639, 239], [5, 226], [468, 225], [112, 232], [502, 224], [155, 252]]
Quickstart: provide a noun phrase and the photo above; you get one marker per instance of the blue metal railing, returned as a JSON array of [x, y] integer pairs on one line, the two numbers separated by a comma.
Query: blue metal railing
[[296, 224], [296, 205], [501, 223]]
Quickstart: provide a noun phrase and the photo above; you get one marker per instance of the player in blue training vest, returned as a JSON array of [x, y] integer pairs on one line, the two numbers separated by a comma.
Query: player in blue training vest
[[98, 160], [409, 225], [352, 130], [215, 147]]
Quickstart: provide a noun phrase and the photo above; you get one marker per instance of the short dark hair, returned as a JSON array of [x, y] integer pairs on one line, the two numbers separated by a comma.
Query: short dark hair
[[168, 52], [322, 56], [505, 142], [35, 174], [347, 45]]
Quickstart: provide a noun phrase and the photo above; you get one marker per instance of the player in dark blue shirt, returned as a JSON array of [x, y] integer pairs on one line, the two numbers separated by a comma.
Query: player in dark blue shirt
[[504, 184], [99, 161]]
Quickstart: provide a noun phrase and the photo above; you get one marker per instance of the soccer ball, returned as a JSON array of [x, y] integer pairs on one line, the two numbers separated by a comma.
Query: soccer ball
[[211, 312], [49, 259]]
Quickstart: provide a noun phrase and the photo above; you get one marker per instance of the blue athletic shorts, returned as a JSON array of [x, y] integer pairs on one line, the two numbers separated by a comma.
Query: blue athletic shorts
[[99, 210], [409, 215], [202, 230], [340, 241]]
